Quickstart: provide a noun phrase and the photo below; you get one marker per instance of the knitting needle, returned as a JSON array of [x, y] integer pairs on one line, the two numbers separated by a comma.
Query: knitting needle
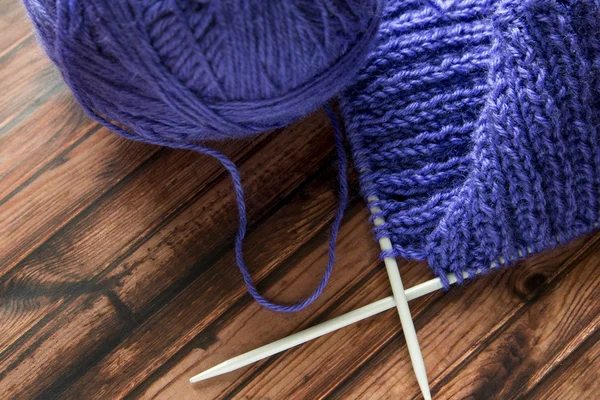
[[408, 327], [321, 329]]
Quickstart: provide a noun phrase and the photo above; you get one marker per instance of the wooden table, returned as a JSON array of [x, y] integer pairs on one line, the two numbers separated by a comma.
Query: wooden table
[[117, 276]]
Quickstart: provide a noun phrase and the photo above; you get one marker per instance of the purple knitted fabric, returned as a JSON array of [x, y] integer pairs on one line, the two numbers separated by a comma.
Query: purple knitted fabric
[[475, 125]]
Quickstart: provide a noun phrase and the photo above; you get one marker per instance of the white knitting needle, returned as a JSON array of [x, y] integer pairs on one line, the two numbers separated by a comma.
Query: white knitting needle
[[408, 327], [320, 330]]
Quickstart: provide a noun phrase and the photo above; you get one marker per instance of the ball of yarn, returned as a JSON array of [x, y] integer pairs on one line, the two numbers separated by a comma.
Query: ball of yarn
[[188, 70]]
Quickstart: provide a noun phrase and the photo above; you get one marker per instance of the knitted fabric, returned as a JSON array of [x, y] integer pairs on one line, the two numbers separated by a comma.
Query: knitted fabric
[[474, 127]]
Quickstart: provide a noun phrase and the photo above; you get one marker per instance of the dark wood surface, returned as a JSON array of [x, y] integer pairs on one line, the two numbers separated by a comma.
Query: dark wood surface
[[117, 276]]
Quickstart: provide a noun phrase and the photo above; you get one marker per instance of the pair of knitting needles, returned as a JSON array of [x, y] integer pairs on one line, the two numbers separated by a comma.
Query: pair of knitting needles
[[399, 300]]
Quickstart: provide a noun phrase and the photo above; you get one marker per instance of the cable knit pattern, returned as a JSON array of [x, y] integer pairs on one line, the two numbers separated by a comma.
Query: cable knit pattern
[[474, 126]]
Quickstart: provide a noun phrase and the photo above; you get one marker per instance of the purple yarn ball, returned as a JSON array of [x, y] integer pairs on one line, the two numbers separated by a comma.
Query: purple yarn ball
[[182, 70]]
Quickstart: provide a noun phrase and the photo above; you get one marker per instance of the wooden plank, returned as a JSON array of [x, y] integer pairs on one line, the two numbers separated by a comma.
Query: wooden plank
[[35, 212], [13, 25], [464, 318], [39, 138], [576, 378], [58, 350], [72, 255], [309, 370], [536, 341], [355, 253], [56, 266], [189, 243], [194, 314], [220, 286], [130, 211], [28, 76], [38, 117], [26, 312], [293, 154]]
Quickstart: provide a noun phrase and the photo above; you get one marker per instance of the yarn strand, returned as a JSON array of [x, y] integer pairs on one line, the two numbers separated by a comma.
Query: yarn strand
[[241, 206], [343, 202]]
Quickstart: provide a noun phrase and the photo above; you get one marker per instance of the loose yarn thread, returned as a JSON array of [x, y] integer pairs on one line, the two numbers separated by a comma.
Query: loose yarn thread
[[174, 73]]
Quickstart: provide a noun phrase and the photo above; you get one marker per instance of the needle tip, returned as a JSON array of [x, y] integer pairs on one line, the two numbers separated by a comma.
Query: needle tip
[[198, 378], [209, 373], [426, 393]]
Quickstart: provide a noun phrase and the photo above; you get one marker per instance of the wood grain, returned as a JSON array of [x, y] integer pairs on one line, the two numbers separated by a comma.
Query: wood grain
[[13, 26], [576, 377], [456, 318], [118, 278]]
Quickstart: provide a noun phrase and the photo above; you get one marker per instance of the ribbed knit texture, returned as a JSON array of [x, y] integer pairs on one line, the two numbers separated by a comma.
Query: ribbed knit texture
[[475, 123]]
